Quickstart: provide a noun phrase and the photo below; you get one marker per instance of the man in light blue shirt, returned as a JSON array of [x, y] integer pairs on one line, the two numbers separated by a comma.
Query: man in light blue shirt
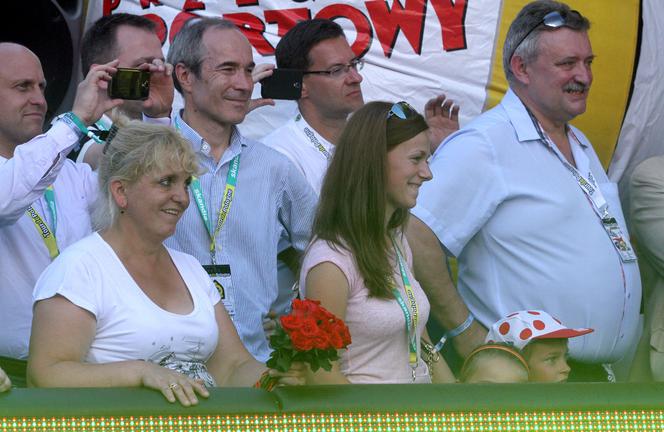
[[249, 194], [520, 197]]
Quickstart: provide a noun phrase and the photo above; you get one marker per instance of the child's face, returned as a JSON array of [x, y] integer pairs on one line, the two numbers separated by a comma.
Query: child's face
[[547, 359], [498, 370]]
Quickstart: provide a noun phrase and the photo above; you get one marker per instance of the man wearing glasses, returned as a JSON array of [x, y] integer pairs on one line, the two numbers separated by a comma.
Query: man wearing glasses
[[250, 197], [521, 199], [330, 92]]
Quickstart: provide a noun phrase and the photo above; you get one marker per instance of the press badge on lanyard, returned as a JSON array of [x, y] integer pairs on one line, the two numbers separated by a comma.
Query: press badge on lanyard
[[619, 241], [220, 274], [221, 278], [594, 194]]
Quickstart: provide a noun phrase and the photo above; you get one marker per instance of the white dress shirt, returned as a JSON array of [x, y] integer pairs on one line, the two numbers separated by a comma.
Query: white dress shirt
[[299, 142], [23, 254], [306, 148]]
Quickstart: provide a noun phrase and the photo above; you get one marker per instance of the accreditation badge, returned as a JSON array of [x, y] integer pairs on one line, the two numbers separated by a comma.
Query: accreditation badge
[[620, 242], [221, 278]]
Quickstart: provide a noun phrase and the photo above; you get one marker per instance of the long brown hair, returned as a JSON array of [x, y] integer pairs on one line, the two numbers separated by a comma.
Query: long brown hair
[[351, 211]]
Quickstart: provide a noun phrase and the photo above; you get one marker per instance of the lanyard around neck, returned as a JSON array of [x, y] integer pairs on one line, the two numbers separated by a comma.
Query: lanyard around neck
[[311, 135], [411, 319], [587, 184], [47, 234], [594, 195], [227, 200]]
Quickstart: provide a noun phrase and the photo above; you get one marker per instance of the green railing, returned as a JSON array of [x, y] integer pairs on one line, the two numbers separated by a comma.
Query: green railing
[[357, 408]]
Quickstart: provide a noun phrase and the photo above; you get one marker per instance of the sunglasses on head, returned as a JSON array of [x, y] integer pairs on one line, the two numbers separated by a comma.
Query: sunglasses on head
[[402, 110], [552, 20]]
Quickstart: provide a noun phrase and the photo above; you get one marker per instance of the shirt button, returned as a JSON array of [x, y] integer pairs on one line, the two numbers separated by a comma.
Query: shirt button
[[629, 296]]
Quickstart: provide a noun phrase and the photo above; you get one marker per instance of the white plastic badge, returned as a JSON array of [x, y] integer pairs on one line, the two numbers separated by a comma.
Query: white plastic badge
[[619, 241], [221, 278]]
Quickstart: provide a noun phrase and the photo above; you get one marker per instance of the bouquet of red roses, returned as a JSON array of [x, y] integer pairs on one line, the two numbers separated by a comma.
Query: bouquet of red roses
[[309, 334]]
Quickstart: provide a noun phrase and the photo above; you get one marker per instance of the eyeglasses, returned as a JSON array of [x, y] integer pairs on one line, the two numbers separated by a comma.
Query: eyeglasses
[[552, 20], [339, 70], [402, 110]]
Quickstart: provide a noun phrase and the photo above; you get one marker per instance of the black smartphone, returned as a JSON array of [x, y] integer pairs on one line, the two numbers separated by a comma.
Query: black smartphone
[[282, 84], [131, 84]]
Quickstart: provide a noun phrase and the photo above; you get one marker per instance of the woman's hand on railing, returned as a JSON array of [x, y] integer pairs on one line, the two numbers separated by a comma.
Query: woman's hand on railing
[[173, 385]]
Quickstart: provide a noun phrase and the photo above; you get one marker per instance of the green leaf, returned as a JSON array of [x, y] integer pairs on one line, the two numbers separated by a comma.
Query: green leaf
[[283, 363], [325, 364]]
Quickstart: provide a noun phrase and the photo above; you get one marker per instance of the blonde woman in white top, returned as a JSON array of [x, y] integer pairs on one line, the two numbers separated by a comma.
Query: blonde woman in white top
[[120, 309]]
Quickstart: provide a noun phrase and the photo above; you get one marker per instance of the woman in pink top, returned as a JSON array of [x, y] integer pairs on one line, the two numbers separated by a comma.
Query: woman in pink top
[[359, 265]]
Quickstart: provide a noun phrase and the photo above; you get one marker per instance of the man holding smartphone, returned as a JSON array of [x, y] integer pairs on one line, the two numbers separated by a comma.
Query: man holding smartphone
[[330, 93], [250, 196], [45, 199]]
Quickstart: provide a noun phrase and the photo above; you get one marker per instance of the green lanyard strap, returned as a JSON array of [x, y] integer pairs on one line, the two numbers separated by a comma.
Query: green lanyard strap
[[411, 319], [47, 234], [229, 194]]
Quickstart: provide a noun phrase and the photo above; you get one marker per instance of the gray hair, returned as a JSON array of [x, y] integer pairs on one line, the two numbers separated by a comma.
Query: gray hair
[[528, 18], [136, 149], [187, 47]]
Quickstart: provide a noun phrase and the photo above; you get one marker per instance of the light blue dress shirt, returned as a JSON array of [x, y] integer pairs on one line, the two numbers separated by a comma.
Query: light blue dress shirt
[[525, 234], [272, 199]]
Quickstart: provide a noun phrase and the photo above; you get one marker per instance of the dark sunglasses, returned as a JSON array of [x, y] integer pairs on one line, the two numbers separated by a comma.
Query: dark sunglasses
[[552, 20], [403, 110]]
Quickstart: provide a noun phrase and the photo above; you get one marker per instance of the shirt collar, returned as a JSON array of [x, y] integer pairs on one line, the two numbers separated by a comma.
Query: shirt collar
[[519, 117], [201, 146], [521, 121]]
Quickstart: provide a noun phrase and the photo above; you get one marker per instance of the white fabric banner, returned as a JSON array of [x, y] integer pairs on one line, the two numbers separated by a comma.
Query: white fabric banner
[[642, 131], [414, 49]]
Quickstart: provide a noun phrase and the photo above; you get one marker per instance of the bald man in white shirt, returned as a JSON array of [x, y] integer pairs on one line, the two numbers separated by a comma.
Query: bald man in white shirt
[[45, 201]]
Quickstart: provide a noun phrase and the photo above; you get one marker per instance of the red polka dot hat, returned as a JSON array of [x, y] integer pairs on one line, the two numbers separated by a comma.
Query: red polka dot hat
[[520, 328]]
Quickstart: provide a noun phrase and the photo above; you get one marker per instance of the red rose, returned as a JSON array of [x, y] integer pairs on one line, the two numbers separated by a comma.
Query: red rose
[[326, 326], [321, 340], [305, 306], [300, 342], [322, 314], [313, 330], [309, 327], [290, 323], [342, 329], [345, 336], [335, 340]]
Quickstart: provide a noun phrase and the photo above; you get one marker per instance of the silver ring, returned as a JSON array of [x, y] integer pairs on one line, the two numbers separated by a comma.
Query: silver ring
[[173, 386]]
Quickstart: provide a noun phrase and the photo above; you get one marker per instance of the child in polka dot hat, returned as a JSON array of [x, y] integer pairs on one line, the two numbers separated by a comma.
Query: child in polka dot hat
[[542, 339]]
